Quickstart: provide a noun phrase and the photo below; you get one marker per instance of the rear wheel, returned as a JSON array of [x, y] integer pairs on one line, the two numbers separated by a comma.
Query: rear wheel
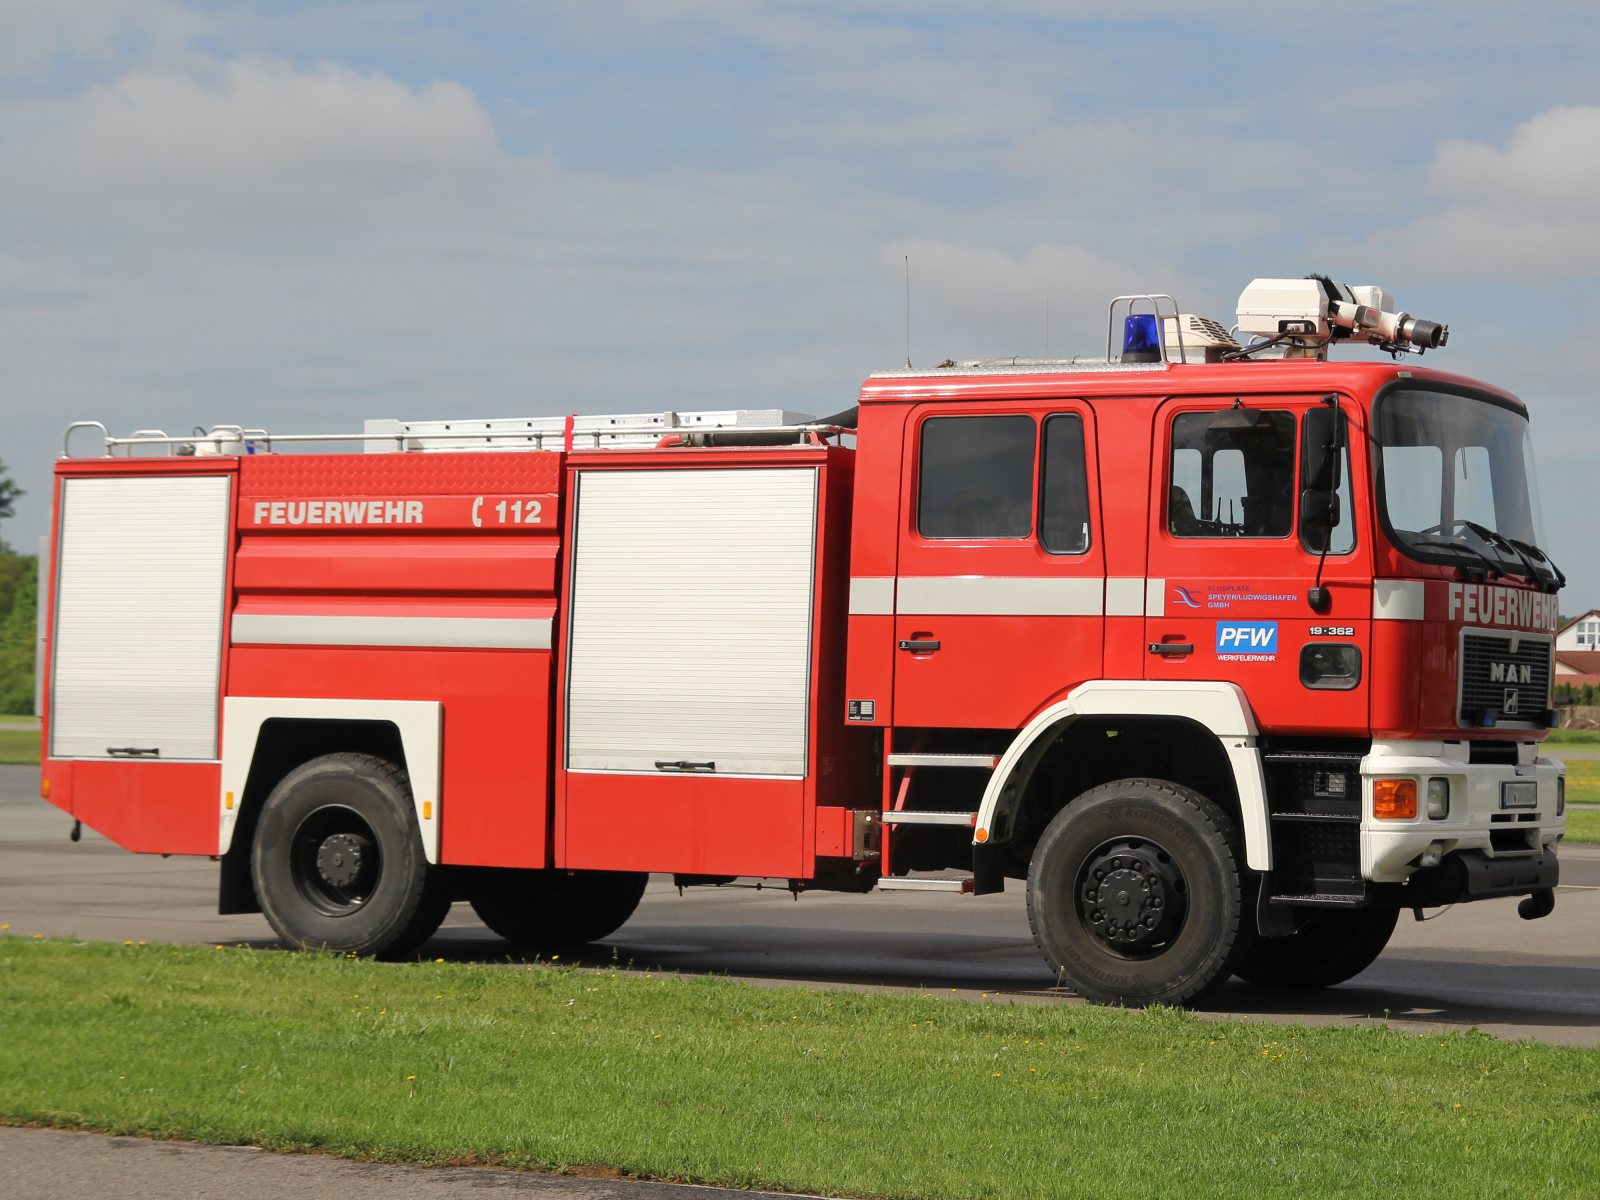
[[555, 907], [1332, 946], [338, 862], [1135, 894]]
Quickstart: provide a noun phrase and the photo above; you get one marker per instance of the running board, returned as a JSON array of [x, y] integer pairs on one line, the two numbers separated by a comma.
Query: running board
[[931, 818], [893, 884], [985, 762]]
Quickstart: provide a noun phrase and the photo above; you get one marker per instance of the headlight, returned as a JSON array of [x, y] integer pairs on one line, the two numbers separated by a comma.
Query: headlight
[[1438, 799]]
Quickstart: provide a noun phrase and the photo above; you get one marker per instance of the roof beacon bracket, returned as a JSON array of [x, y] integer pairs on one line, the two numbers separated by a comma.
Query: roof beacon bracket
[[1144, 336]]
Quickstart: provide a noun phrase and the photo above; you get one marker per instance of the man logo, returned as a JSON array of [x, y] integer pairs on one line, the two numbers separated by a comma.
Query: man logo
[[1508, 707], [1510, 673]]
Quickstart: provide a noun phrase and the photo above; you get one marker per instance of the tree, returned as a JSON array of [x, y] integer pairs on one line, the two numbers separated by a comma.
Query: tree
[[19, 600], [18, 636], [9, 491]]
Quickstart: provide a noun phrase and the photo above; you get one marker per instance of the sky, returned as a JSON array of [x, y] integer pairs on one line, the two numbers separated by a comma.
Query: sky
[[297, 216]]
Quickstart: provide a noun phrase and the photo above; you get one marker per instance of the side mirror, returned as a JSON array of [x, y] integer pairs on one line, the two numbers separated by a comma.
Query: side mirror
[[1319, 509], [1321, 459]]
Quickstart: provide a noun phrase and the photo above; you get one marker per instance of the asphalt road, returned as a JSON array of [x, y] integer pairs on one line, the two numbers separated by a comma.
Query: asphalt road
[[51, 1164], [1474, 964]]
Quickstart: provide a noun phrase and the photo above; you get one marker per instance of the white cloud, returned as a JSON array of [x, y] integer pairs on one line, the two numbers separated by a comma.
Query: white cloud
[[37, 36], [263, 147], [1528, 211]]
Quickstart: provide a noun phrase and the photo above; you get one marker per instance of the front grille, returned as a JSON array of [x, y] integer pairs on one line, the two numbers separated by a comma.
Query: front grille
[[1516, 687]]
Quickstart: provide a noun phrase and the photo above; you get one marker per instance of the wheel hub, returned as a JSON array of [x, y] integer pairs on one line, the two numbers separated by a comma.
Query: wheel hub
[[1132, 895], [340, 857]]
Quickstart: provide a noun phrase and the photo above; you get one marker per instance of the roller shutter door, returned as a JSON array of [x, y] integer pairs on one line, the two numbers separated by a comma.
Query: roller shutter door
[[690, 620], [138, 623]]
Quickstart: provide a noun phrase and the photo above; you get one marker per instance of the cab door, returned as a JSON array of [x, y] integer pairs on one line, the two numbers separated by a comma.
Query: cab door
[[999, 599], [1235, 565]]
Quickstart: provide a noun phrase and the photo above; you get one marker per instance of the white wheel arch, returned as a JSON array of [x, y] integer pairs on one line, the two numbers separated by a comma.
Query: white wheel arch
[[419, 722], [1220, 707]]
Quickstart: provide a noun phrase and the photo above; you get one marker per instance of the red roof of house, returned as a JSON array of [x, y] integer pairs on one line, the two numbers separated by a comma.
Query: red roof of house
[[1580, 662]]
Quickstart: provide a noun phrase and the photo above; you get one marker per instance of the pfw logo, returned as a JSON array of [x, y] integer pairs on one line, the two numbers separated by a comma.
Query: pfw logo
[[1250, 640]]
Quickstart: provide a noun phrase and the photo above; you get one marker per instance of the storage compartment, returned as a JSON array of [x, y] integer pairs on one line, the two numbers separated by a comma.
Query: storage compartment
[[137, 647], [690, 622]]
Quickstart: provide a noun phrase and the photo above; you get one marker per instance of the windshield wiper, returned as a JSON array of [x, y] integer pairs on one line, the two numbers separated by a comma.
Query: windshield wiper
[[1560, 575], [1492, 538], [1489, 565]]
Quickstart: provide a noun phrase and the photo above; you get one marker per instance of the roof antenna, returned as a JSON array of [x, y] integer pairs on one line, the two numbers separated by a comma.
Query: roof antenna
[[908, 312]]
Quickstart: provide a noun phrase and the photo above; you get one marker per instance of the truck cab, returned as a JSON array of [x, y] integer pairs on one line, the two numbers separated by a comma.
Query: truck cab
[[1309, 592]]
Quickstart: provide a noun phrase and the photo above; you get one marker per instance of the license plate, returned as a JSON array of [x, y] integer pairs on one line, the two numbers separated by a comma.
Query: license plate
[[1519, 793]]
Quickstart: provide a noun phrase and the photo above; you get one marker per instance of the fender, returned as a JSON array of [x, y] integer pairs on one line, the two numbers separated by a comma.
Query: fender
[[1220, 707], [420, 723]]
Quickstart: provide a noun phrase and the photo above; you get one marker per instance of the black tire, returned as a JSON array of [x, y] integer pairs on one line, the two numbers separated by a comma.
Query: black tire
[[1332, 946], [338, 862], [1136, 897], [556, 907]]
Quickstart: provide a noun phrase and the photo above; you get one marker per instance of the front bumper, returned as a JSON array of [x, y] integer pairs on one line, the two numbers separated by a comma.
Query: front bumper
[[1393, 850]]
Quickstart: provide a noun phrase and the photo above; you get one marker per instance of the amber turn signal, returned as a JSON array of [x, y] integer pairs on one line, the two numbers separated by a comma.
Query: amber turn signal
[[1394, 799]]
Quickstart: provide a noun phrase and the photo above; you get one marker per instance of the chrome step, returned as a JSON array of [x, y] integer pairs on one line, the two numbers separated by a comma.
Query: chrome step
[[986, 762], [931, 818], [893, 884]]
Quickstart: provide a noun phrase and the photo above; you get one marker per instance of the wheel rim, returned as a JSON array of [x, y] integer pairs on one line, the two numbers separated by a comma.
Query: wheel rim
[[1132, 897], [335, 860]]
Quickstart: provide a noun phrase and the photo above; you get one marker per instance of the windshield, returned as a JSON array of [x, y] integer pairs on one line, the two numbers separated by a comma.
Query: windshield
[[1458, 483]]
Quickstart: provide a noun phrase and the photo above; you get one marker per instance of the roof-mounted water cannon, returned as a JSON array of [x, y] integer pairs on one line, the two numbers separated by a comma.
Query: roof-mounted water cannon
[[1301, 318]]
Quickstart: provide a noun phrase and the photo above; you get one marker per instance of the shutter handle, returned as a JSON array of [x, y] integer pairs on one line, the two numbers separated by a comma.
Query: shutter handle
[[923, 646], [1165, 648]]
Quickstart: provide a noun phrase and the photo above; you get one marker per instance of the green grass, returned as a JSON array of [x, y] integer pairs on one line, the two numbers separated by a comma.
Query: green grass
[[1583, 826], [713, 1081], [1583, 781], [19, 746], [1573, 737]]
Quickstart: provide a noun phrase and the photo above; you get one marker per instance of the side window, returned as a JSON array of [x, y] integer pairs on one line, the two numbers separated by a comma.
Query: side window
[[1232, 474], [976, 477], [1064, 488], [1315, 434]]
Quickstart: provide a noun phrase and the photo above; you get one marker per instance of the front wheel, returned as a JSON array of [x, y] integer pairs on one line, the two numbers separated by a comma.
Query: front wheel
[[1135, 894], [1332, 946], [338, 862]]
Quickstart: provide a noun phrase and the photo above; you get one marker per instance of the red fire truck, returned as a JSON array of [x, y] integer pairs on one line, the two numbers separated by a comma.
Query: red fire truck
[[1226, 651]]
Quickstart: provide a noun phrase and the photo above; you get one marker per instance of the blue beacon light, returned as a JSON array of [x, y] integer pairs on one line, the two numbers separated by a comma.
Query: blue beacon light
[[1141, 339]]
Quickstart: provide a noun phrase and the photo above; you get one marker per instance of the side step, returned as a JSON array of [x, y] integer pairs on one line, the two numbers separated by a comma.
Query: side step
[[893, 884], [985, 762], [930, 818]]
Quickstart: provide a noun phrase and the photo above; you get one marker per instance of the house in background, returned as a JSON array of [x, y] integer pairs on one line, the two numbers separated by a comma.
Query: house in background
[[1577, 668], [1580, 633]]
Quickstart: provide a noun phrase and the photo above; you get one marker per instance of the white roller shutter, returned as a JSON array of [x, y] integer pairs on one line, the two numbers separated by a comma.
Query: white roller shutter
[[690, 623], [138, 624]]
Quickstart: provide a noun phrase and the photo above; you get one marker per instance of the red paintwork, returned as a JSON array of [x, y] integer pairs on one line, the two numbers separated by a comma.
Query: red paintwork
[[506, 799]]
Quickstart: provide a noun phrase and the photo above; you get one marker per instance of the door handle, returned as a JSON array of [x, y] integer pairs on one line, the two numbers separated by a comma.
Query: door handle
[[926, 646], [1171, 647]]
